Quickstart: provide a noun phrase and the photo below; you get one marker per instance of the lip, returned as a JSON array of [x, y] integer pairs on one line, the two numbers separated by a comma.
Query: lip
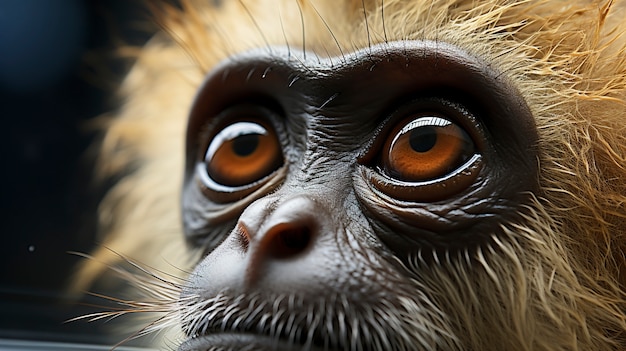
[[237, 341]]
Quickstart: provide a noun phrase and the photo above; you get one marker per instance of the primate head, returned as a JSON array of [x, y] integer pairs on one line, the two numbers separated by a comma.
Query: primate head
[[377, 174]]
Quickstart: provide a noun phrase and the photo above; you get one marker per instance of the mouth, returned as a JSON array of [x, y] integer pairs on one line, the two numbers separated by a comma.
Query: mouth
[[255, 323], [242, 341], [288, 323]]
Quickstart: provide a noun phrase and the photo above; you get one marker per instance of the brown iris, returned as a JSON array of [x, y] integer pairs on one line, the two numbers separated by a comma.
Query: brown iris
[[243, 153], [424, 148]]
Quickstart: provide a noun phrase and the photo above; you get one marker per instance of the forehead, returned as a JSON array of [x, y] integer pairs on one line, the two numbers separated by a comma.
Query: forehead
[[356, 86]]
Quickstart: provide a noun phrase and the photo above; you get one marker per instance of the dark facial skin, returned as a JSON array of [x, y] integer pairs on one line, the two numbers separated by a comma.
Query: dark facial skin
[[363, 162]]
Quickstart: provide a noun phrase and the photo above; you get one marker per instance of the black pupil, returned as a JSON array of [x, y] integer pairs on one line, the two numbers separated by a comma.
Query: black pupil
[[423, 139], [245, 145]]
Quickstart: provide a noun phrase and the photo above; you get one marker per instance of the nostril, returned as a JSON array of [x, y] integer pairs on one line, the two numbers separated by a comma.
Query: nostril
[[287, 240]]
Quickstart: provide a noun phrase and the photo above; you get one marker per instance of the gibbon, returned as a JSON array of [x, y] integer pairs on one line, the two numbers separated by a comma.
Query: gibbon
[[373, 175]]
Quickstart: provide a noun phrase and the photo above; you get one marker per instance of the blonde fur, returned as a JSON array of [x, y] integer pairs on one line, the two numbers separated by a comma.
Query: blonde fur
[[554, 282]]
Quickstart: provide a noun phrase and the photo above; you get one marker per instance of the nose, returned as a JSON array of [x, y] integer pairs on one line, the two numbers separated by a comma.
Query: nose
[[278, 245], [285, 240], [283, 237]]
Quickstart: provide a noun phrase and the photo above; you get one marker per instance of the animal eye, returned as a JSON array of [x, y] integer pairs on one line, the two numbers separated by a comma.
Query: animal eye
[[424, 148], [242, 153]]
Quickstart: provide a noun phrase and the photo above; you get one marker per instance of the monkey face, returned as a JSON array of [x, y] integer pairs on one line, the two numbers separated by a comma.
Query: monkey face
[[332, 187], [451, 177]]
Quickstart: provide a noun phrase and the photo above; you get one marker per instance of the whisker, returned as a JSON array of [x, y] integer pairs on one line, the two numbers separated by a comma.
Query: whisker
[[332, 34], [256, 24], [160, 294], [303, 29], [282, 28], [367, 26], [382, 17]]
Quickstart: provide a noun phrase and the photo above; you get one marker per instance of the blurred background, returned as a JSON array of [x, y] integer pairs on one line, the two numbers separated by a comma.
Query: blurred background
[[58, 71]]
